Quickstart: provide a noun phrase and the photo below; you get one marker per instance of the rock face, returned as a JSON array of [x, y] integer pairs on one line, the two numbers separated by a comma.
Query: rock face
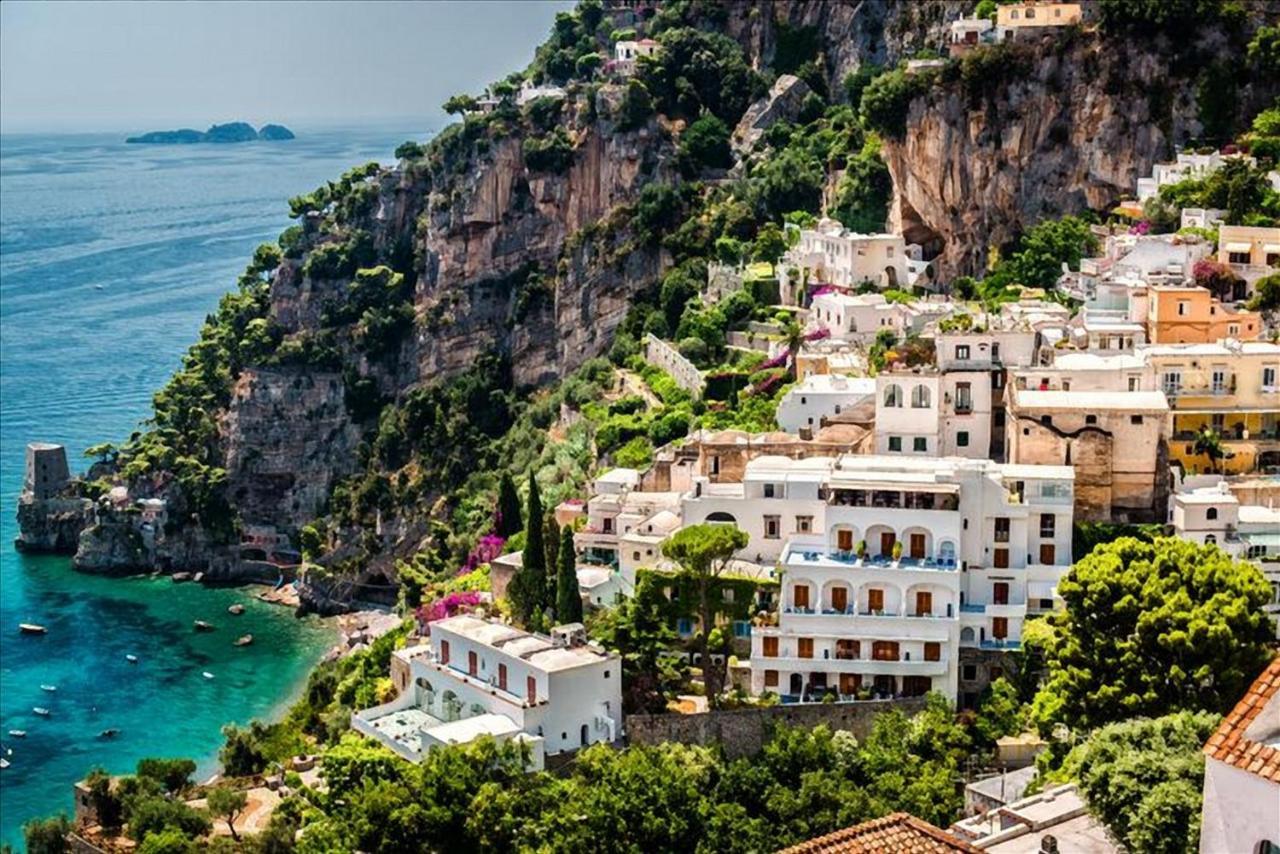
[[51, 524], [781, 104], [1072, 127]]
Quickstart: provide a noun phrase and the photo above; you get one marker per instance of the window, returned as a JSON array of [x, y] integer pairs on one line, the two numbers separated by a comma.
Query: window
[[1135, 419], [1184, 307], [684, 627], [769, 646], [969, 672], [1000, 593], [608, 525], [771, 679], [606, 674], [1048, 524], [1002, 529], [840, 599], [1048, 554], [1066, 385], [1000, 559], [1171, 381], [444, 652], [800, 596], [1211, 513], [1046, 420], [893, 395], [804, 647], [531, 690], [1046, 604], [932, 651], [502, 676], [1133, 383], [715, 465], [1233, 329], [920, 444], [962, 352], [995, 352], [964, 397], [895, 443], [924, 603], [772, 527], [884, 651], [920, 397], [472, 663], [1091, 419], [1238, 257], [804, 524], [999, 628], [875, 599], [1268, 376], [741, 628], [962, 439], [726, 595], [1210, 540], [770, 491]]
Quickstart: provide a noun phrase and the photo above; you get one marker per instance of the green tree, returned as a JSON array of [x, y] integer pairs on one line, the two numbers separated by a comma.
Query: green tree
[[508, 517], [168, 841], [1266, 294], [551, 539], [150, 814], [104, 799], [770, 244], [173, 775], [704, 552], [705, 143], [47, 836], [242, 753], [999, 713], [1043, 250], [1151, 628], [461, 104], [1142, 779], [227, 804], [886, 100], [528, 589], [568, 599], [640, 633], [1209, 444], [1264, 49]]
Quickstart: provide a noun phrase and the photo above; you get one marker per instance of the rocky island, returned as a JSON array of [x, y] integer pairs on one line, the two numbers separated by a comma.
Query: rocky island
[[230, 132]]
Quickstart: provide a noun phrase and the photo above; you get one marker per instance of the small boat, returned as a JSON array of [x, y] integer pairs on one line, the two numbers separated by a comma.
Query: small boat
[[131, 658], [49, 688], [207, 675], [179, 577], [18, 733], [202, 626], [99, 287], [244, 640], [31, 629], [236, 609], [4, 763], [41, 711], [111, 732]]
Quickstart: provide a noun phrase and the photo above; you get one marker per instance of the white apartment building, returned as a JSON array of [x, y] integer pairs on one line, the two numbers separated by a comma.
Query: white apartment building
[[479, 677], [967, 33], [1201, 218], [1188, 165], [1128, 263], [829, 254], [627, 52], [978, 544], [621, 522], [1085, 371], [909, 412], [857, 317], [822, 396]]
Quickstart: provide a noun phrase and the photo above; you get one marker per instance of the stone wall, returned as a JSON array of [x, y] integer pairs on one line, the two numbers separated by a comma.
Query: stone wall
[[743, 732], [662, 355], [722, 280]]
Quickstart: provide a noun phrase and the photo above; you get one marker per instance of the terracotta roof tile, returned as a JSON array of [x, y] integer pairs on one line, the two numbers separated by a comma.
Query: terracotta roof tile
[[1229, 743], [898, 833]]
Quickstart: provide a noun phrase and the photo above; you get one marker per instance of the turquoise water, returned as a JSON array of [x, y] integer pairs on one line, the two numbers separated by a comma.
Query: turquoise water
[[110, 258]]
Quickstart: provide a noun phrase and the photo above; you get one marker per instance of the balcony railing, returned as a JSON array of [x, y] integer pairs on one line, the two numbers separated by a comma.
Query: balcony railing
[[881, 561], [866, 612]]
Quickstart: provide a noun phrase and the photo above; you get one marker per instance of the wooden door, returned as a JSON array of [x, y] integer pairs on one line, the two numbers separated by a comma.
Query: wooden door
[[1001, 560], [1047, 554], [1000, 593], [800, 596], [932, 651], [875, 599], [844, 540], [769, 646], [840, 598], [924, 603], [917, 546], [805, 647], [999, 628], [472, 665], [850, 683], [884, 651], [887, 539]]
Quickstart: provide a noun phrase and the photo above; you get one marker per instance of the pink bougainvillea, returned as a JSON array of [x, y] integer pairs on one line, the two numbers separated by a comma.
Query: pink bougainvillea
[[489, 547], [447, 606], [1140, 227]]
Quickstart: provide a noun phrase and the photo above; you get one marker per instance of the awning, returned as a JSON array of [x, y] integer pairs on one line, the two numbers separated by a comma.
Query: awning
[[1239, 247], [1041, 590], [1261, 539], [1272, 248]]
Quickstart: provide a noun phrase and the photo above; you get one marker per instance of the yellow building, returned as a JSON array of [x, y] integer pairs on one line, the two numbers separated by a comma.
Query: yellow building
[[1251, 251], [1233, 388], [1181, 315], [1025, 15]]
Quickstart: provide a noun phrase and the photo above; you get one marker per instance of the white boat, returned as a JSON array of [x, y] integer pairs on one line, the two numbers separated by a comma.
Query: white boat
[[41, 711], [207, 675], [131, 658], [4, 763], [18, 733], [49, 688], [32, 629]]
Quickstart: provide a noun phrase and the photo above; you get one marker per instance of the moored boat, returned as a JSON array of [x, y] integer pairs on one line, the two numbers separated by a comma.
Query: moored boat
[[32, 629], [207, 675], [202, 626], [236, 609], [110, 732], [49, 688], [131, 658], [244, 640], [41, 711], [18, 733]]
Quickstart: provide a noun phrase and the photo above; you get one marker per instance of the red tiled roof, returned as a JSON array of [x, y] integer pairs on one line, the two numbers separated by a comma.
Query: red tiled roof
[[898, 833], [1229, 744]]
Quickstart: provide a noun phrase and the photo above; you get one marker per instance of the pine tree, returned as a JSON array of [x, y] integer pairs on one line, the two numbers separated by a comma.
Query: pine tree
[[530, 593], [509, 521], [551, 536], [568, 599]]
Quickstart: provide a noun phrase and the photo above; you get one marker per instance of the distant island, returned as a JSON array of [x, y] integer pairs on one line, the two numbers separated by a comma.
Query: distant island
[[231, 132]]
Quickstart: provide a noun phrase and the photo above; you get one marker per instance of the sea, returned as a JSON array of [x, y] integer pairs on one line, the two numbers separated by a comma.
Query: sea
[[111, 256]]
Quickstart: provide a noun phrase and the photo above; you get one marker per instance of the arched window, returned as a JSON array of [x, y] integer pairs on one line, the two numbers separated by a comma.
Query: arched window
[[893, 395], [920, 397], [1210, 540], [1211, 513]]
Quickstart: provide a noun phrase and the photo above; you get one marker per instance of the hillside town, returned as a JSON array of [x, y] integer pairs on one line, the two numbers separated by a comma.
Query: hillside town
[[826, 482]]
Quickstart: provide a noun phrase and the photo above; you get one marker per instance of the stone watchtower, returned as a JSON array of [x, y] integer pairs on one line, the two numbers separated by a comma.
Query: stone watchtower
[[47, 472]]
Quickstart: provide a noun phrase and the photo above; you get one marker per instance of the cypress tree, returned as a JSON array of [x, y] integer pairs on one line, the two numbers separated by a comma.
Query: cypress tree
[[551, 536], [568, 599], [509, 521], [532, 596]]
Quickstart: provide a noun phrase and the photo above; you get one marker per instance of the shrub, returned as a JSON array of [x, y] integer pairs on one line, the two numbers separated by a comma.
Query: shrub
[[705, 142], [886, 100], [552, 153]]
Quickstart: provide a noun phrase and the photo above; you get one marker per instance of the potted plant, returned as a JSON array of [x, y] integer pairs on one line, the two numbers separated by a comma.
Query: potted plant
[[861, 549], [897, 551]]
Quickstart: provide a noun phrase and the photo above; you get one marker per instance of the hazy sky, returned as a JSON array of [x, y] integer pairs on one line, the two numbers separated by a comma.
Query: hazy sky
[[149, 66]]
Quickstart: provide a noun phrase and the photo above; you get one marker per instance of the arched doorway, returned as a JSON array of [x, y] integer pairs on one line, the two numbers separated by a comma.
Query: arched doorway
[[585, 735]]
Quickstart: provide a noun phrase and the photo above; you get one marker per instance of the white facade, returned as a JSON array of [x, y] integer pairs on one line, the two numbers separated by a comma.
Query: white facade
[[978, 544], [625, 54], [557, 693], [829, 254], [1076, 371], [820, 396], [857, 317], [624, 530], [1188, 165], [909, 412], [1200, 218]]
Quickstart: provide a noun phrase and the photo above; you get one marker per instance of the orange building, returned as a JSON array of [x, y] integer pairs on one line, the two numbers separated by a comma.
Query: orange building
[[1182, 315]]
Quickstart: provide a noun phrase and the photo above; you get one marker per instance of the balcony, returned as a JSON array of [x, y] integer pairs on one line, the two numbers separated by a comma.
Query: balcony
[[849, 560], [864, 666]]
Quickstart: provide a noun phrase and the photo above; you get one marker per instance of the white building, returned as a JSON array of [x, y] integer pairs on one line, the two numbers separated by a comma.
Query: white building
[[858, 317], [909, 412], [1086, 371], [625, 527], [1241, 807], [822, 396], [967, 33], [1188, 165], [830, 254], [627, 52], [480, 677], [529, 92], [1209, 218], [978, 544]]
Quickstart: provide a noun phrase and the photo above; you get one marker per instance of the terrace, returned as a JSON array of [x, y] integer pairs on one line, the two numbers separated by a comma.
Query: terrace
[[820, 559]]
